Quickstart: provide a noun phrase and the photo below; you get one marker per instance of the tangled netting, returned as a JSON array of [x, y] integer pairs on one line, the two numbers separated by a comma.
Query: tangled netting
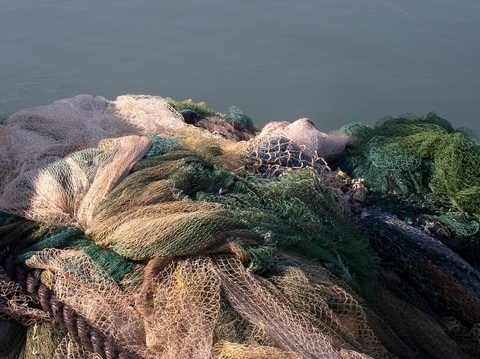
[[150, 228]]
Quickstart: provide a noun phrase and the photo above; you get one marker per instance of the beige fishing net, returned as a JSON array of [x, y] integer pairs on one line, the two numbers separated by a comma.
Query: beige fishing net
[[184, 305], [149, 114], [128, 232], [14, 304], [304, 133]]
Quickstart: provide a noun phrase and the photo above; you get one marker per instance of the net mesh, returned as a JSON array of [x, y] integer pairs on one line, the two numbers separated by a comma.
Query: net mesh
[[431, 157], [305, 134], [432, 268], [14, 304], [170, 230]]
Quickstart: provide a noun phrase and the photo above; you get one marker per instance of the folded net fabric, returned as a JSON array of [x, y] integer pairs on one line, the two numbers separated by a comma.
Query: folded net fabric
[[129, 233]]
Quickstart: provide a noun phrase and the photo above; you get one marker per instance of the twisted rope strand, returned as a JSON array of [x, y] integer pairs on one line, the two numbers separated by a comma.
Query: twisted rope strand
[[87, 336]]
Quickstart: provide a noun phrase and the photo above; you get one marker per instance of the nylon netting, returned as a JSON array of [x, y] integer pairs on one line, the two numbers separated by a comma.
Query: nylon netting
[[431, 156], [151, 228], [304, 133]]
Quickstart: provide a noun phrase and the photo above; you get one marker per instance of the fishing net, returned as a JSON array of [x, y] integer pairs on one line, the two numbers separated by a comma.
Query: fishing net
[[151, 228], [433, 269], [429, 154], [423, 226], [305, 135]]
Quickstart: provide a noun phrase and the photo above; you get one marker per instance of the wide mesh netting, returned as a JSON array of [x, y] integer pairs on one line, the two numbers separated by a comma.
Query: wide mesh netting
[[149, 114], [151, 228], [16, 305], [305, 134]]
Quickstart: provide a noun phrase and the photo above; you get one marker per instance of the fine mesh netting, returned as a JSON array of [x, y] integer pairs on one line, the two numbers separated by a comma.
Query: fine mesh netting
[[151, 228], [430, 155]]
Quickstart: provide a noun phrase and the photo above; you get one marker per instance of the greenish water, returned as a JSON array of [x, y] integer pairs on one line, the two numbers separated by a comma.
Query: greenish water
[[332, 61]]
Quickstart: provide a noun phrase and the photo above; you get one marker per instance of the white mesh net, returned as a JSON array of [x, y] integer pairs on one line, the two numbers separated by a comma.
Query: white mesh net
[[65, 190], [304, 133], [149, 114], [31, 138]]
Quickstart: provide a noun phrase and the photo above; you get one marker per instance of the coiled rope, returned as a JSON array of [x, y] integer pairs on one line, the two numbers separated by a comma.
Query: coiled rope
[[76, 325]]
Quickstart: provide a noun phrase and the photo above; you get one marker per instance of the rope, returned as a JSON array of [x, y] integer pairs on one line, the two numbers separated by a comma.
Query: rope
[[89, 337], [431, 27]]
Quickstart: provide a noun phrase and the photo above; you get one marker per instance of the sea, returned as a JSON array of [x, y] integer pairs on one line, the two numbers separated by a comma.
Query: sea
[[333, 61]]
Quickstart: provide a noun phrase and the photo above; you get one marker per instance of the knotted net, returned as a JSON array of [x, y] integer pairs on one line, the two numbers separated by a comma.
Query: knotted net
[[145, 228]]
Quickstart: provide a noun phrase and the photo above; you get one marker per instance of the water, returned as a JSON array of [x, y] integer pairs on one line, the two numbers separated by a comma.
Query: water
[[334, 61]]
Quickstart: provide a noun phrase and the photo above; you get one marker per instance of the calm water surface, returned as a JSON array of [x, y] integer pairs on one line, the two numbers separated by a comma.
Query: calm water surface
[[335, 61]]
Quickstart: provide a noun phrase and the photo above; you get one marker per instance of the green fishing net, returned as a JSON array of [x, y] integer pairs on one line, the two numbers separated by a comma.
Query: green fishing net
[[169, 230], [415, 155]]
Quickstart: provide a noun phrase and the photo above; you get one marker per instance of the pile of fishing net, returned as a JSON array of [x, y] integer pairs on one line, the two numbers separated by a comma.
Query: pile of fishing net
[[150, 228]]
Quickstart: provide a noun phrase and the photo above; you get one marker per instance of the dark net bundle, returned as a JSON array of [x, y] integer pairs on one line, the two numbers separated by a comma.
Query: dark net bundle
[[445, 278], [460, 232], [423, 279], [437, 216]]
